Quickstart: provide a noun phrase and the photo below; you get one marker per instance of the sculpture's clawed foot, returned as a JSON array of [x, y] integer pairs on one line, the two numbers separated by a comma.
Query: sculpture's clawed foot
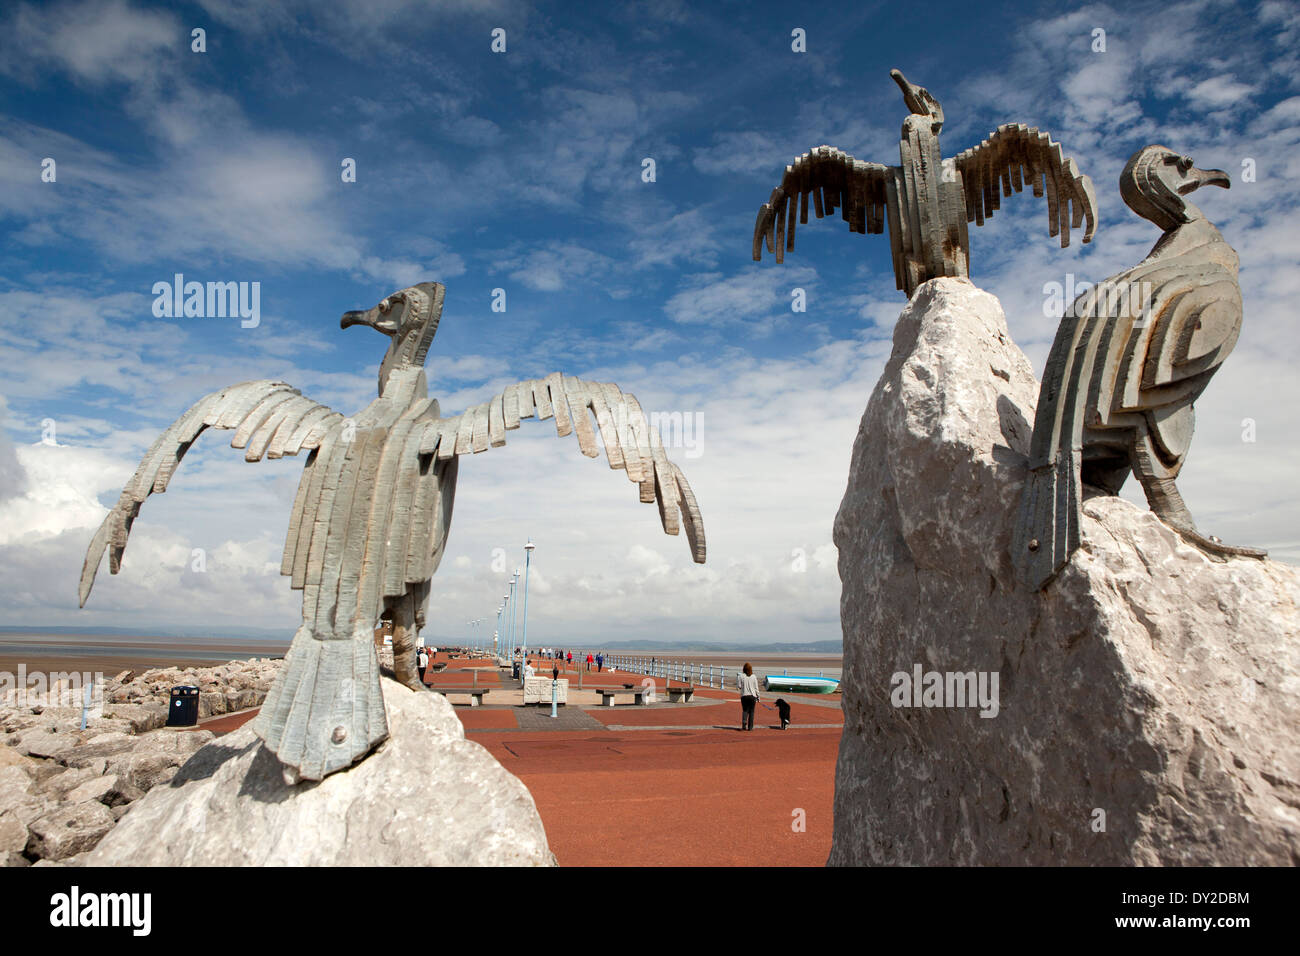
[[1216, 548]]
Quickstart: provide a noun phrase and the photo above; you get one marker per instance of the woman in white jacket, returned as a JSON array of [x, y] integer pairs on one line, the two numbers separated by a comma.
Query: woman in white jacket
[[748, 686]]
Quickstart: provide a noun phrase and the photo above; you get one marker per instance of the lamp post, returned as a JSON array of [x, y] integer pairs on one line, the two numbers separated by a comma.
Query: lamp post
[[505, 610], [514, 585], [528, 557], [506, 642]]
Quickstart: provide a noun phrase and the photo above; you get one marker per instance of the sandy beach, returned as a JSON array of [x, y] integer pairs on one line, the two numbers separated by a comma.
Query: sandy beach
[[98, 653]]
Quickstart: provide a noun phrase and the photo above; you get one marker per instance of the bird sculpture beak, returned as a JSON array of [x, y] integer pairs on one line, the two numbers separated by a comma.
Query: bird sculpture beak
[[372, 318], [911, 98], [909, 95], [1196, 178]]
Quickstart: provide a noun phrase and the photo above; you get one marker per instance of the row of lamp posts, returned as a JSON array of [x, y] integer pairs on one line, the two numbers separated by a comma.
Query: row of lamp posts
[[507, 612]]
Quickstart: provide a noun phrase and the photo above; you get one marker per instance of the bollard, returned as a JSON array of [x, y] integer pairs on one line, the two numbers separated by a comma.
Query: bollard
[[554, 712], [85, 702]]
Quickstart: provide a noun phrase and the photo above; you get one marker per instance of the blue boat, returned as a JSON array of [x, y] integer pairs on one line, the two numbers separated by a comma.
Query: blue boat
[[797, 684]]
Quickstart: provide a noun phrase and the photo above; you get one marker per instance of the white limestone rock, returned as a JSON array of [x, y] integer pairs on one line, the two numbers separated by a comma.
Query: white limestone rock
[[68, 830], [425, 797], [1146, 683]]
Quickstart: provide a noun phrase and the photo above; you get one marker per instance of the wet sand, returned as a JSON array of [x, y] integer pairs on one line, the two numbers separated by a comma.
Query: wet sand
[[111, 655]]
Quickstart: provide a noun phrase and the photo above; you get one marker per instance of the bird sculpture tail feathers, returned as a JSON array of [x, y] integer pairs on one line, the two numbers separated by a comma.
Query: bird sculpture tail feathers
[[1047, 531], [326, 709]]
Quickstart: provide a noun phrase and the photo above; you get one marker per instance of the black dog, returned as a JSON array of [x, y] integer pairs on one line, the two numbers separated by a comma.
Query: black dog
[[783, 709]]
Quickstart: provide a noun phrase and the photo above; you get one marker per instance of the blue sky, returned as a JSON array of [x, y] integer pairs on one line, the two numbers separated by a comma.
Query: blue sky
[[522, 171]]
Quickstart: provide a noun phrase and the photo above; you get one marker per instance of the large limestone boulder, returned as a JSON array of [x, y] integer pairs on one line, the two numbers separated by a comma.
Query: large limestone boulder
[[425, 797], [1148, 700]]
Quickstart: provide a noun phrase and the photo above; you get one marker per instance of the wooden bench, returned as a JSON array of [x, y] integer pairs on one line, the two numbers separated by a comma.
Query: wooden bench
[[607, 694], [677, 694], [475, 693]]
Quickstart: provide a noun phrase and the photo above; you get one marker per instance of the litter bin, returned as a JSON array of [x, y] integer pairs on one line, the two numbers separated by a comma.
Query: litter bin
[[184, 708]]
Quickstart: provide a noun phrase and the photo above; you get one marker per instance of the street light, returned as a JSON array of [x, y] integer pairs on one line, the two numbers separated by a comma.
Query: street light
[[528, 557], [505, 609], [514, 617]]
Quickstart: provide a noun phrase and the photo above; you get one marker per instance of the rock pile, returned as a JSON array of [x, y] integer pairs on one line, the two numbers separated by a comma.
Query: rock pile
[[226, 688], [63, 788]]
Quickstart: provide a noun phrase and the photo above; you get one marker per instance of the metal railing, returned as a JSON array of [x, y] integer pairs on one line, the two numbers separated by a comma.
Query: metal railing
[[686, 672]]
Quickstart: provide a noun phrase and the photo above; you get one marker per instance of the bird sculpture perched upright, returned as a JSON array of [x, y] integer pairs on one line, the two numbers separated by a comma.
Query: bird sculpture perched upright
[[373, 508], [1131, 356], [926, 202]]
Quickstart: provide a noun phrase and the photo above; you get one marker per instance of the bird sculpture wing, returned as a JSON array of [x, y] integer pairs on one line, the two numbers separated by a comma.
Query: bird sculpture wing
[[834, 179], [1130, 355], [269, 418], [630, 443], [1015, 154]]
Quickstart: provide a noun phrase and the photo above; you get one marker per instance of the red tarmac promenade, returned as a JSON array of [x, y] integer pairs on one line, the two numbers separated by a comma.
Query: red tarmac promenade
[[700, 793], [678, 798], [660, 785]]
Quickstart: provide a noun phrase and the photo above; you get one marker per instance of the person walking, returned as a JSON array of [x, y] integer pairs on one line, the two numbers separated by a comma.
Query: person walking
[[600, 663], [570, 667], [590, 660], [748, 686], [421, 663]]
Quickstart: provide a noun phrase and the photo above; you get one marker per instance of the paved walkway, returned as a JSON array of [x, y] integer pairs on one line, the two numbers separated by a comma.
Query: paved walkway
[[679, 797], [567, 718], [662, 784]]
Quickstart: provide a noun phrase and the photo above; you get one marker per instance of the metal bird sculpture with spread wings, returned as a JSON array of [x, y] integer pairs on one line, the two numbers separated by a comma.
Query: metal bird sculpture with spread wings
[[372, 511], [1131, 356], [927, 201]]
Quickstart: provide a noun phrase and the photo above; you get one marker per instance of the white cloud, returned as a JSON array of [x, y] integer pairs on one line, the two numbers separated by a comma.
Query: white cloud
[[97, 41], [59, 493], [1219, 91], [753, 296]]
